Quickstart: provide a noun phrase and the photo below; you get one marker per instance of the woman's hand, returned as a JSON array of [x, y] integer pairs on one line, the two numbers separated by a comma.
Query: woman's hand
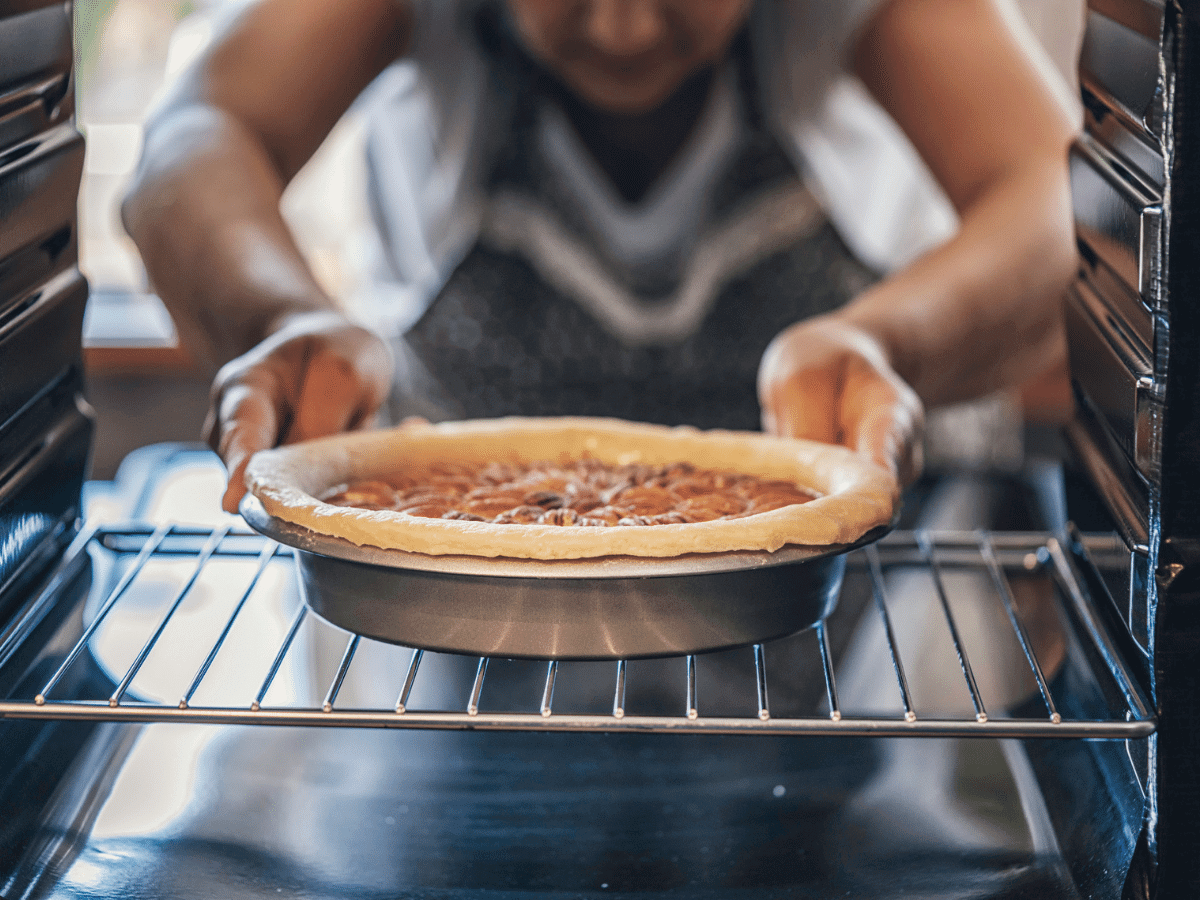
[[316, 374], [826, 380]]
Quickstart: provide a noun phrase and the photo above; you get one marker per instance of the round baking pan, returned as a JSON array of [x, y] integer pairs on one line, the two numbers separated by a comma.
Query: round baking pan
[[607, 608]]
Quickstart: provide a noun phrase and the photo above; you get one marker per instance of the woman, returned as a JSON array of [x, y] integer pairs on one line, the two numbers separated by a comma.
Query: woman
[[514, 258]]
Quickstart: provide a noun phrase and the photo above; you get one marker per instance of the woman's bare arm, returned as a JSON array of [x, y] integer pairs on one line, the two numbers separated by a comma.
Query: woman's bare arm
[[204, 211], [204, 206], [983, 310]]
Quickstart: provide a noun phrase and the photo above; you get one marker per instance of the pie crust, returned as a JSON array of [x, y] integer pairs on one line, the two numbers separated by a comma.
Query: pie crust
[[856, 494]]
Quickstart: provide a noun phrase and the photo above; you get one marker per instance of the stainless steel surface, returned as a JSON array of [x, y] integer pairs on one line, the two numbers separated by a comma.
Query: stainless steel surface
[[1116, 373], [610, 608], [202, 559], [1128, 504], [1125, 138], [1116, 215], [38, 185], [1121, 64], [41, 328], [35, 64], [1117, 329], [1143, 16]]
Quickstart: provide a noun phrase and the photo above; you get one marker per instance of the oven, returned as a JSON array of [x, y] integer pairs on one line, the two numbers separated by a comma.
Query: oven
[[1002, 704]]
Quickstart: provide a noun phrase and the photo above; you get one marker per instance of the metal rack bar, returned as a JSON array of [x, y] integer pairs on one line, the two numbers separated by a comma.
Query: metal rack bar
[[760, 680], [414, 662], [879, 591], [367, 718], [180, 596], [618, 710], [831, 697], [110, 601], [927, 551], [973, 552], [1139, 705], [548, 690], [183, 540], [297, 621], [1010, 607], [477, 687], [267, 554], [339, 677], [693, 711]]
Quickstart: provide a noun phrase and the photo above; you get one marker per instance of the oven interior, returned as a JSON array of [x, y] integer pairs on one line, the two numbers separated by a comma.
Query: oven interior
[[1001, 705]]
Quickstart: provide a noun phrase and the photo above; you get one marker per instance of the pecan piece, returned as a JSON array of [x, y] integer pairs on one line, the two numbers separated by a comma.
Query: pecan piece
[[692, 486], [428, 510], [712, 506], [546, 499], [645, 500], [562, 515], [582, 498], [453, 485], [493, 492], [670, 518], [497, 473], [464, 516], [519, 515], [366, 495], [636, 520], [607, 514], [490, 507]]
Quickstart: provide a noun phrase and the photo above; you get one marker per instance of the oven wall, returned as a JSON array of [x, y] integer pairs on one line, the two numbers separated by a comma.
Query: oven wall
[[45, 425], [1134, 329]]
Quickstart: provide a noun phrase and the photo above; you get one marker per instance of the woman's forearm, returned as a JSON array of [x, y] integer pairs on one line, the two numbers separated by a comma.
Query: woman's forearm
[[984, 310], [235, 127], [204, 211], [967, 83]]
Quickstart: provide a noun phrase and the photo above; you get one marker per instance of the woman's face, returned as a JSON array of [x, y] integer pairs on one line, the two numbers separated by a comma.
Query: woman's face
[[627, 56]]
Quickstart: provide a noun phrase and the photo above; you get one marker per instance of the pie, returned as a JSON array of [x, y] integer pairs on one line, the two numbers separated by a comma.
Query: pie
[[583, 492], [572, 488]]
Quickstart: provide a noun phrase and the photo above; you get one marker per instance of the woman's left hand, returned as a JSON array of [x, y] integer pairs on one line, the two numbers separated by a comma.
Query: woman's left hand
[[826, 380]]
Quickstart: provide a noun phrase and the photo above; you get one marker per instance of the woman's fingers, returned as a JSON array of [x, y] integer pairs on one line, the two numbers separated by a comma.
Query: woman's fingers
[[318, 376], [828, 381], [328, 400], [247, 415], [797, 381], [344, 384], [884, 420]]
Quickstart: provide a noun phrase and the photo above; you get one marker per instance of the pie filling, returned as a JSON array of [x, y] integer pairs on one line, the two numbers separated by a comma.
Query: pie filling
[[583, 492]]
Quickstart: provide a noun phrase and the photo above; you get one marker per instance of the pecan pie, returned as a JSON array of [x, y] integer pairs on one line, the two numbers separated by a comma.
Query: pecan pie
[[572, 488], [585, 492]]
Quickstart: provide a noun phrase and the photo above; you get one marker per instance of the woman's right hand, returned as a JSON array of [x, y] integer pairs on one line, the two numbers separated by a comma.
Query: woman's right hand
[[315, 374], [827, 380]]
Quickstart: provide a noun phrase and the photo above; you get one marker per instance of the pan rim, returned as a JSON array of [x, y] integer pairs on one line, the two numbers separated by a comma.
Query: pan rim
[[304, 540]]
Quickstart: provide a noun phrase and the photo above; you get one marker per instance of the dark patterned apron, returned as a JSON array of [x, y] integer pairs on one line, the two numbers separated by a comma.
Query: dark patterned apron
[[502, 338]]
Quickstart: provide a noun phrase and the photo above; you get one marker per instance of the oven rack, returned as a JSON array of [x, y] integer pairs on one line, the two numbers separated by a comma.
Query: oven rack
[[132, 548]]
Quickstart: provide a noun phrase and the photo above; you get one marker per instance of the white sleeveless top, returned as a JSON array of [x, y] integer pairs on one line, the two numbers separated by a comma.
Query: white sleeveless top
[[433, 124]]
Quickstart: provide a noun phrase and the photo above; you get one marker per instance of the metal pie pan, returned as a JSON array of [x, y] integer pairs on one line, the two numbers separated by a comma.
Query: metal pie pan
[[606, 608]]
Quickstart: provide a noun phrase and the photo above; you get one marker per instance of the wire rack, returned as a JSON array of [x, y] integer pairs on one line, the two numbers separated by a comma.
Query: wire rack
[[129, 587]]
